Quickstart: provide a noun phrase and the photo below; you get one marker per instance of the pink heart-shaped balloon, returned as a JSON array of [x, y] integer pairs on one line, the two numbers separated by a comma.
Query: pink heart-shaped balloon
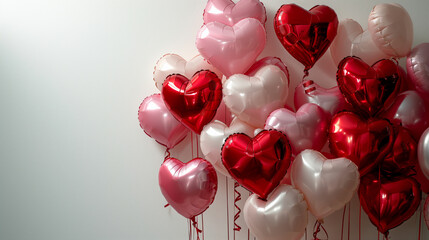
[[410, 111], [331, 100], [157, 122], [174, 64], [190, 187], [265, 62], [232, 49], [306, 129], [227, 12]]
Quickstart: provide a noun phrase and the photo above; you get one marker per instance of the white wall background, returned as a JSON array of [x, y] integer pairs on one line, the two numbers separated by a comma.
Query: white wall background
[[74, 163]]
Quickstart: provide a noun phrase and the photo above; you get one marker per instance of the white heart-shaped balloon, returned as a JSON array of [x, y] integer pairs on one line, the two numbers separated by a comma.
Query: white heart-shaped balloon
[[352, 40], [282, 217], [253, 98], [213, 137], [327, 184], [175, 64], [391, 29]]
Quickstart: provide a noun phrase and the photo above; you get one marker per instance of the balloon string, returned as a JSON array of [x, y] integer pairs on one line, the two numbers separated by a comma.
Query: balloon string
[[167, 154], [305, 233], [227, 207], [166, 205], [195, 225], [202, 223], [248, 230], [237, 198], [360, 210], [305, 74], [342, 223], [420, 221], [189, 229], [198, 148], [192, 144], [348, 230], [316, 229]]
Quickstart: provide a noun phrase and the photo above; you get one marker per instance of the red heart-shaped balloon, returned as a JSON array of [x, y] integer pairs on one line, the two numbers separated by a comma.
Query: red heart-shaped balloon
[[258, 164], [193, 102], [306, 35], [189, 188], [365, 142], [369, 89], [403, 156], [389, 201]]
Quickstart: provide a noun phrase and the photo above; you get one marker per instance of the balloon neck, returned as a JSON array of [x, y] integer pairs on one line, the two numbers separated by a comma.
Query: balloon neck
[[309, 86], [317, 228]]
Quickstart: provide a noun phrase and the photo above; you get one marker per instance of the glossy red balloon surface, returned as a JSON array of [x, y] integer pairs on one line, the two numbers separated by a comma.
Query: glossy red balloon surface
[[403, 156], [193, 102], [306, 35], [389, 201], [365, 142], [189, 188], [369, 89], [258, 164]]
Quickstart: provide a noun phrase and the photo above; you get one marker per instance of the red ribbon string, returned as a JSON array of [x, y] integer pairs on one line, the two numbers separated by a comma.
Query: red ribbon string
[[316, 229], [420, 221], [348, 230], [167, 154], [237, 198], [342, 222], [227, 206], [195, 225], [360, 210], [166, 205]]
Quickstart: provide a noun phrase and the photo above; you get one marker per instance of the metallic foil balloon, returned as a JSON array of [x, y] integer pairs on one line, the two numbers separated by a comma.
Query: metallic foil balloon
[[306, 35], [369, 88], [327, 184], [229, 13], [331, 100], [418, 67], [258, 164], [389, 201], [232, 49], [189, 188], [365, 142], [426, 212], [352, 40], [411, 111], [306, 129], [174, 64], [265, 62], [423, 153], [159, 124], [213, 137], [391, 29], [283, 216], [253, 98], [403, 156], [194, 102]]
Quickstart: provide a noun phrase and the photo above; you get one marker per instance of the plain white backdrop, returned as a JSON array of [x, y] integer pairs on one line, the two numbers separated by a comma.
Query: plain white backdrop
[[74, 163]]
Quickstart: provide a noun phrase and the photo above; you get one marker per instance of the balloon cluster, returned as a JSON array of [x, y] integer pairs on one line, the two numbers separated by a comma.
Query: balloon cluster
[[373, 120]]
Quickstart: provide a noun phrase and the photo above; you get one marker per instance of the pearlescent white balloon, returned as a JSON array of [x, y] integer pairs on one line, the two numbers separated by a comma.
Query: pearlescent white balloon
[[253, 98], [423, 153], [213, 137], [326, 184], [352, 40], [391, 29], [175, 64], [282, 217]]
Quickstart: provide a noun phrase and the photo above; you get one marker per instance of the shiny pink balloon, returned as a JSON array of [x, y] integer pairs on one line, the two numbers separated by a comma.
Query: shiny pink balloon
[[159, 124], [411, 111], [418, 67], [306, 129], [331, 100], [190, 187], [229, 13], [231, 49]]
